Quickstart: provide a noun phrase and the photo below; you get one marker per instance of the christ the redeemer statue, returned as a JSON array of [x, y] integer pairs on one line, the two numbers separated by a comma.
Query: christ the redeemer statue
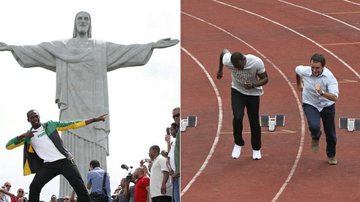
[[81, 65]]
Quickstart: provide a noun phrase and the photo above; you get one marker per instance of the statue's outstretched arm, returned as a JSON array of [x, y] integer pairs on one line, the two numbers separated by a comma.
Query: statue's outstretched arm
[[164, 43], [5, 47]]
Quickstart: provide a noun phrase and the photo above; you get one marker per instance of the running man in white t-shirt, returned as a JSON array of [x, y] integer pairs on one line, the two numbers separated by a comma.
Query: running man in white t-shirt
[[248, 76]]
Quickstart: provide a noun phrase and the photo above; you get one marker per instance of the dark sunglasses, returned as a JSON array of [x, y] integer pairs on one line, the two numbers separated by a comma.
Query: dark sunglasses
[[176, 115], [21, 191], [7, 185]]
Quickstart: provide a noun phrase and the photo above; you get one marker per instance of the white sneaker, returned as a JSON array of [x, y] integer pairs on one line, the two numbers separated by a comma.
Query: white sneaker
[[256, 154], [236, 151]]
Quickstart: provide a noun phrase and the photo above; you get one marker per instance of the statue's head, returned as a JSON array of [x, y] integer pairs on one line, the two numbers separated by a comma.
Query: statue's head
[[82, 24]]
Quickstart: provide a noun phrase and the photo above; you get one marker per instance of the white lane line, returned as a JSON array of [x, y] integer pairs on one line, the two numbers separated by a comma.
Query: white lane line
[[343, 13], [344, 81], [295, 32], [340, 44], [220, 114], [348, 81], [264, 132], [299, 105], [319, 13], [352, 2]]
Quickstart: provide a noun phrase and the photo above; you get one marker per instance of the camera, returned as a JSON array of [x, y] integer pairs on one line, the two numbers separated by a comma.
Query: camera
[[129, 176], [125, 167]]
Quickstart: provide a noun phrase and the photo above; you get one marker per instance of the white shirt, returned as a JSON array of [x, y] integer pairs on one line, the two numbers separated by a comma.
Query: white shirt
[[156, 177], [252, 68], [44, 147], [7, 198], [327, 81], [172, 157]]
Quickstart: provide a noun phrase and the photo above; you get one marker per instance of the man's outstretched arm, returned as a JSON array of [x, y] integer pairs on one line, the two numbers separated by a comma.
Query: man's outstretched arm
[[63, 126], [100, 118]]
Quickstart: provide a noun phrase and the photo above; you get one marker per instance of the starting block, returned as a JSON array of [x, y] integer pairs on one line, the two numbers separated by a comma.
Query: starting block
[[190, 121], [271, 122], [350, 124]]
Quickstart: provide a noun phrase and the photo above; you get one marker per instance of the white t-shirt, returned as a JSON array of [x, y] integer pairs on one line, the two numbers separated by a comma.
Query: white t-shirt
[[172, 156], [44, 147], [156, 177], [253, 67]]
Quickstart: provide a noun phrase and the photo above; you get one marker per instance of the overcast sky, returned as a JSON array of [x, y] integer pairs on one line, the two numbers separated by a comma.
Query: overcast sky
[[141, 98]]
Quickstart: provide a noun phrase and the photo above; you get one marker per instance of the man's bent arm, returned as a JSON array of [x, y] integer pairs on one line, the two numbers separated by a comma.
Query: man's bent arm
[[330, 96], [263, 79], [165, 179], [221, 65], [6, 192], [19, 140], [126, 190], [299, 82]]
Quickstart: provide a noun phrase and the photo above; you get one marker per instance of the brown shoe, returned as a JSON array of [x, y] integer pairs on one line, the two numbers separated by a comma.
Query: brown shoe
[[315, 145], [332, 161]]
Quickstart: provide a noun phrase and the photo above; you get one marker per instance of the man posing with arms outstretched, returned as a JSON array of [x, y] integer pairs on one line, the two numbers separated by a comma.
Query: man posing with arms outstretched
[[45, 154], [320, 91], [248, 76]]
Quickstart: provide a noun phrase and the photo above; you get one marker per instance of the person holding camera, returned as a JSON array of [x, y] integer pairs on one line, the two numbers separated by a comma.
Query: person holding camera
[[172, 163], [98, 181], [122, 195]]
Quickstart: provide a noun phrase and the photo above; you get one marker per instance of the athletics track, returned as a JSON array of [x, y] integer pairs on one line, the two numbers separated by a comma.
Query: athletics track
[[284, 34]]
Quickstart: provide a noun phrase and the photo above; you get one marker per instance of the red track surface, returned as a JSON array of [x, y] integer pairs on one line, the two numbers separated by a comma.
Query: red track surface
[[289, 171]]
